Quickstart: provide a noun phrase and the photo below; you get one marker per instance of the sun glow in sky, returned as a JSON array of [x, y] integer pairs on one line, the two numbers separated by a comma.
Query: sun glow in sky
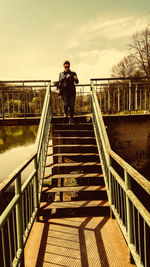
[[37, 36]]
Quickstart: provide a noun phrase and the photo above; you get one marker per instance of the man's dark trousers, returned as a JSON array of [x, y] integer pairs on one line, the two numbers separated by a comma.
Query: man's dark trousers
[[69, 101]]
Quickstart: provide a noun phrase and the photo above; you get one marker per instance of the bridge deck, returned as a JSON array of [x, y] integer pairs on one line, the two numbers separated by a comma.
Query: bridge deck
[[78, 241]]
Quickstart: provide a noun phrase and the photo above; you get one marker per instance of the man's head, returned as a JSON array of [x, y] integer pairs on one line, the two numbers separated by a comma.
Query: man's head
[[66, 65]]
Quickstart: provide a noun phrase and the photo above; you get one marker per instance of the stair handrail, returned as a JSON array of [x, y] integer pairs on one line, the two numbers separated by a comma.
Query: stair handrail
[[124, 203], [23, 207]]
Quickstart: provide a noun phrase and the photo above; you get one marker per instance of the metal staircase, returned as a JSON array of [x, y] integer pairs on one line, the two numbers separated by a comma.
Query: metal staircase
[[75, 186]]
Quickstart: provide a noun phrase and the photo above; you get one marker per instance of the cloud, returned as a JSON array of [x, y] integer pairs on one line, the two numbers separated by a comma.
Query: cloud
[[96, 64], [102, 43], [110, 30], [87, 64]]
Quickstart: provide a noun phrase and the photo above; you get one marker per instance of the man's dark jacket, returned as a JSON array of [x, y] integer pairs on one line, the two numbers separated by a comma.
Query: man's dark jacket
[[67, 81]]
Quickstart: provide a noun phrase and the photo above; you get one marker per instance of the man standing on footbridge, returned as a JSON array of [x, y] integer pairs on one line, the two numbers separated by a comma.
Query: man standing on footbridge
[[67, 89]]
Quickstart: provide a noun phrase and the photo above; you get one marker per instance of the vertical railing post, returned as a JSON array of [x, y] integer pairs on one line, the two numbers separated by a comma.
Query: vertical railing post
[[109, 180], [8, 103], [13, 104], [110, 188], [3, 105], [108, 97], [118, 99], [19, 217], [129, 211], [145, 96], [104, 100], [140, 98], [50, 94], [129, 95], [136, 97], [24, 97], [36, 202]]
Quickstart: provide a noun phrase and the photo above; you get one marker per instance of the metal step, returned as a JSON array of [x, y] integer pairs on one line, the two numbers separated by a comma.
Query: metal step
[[72, 137], [85, 167], [73, 204], [74, 175], [78, 119], [73, 140], [73, 164], [73, 189], [73, 209], [73, 193], [65, 126], [75, 148], [73, 145], [72, 154], [76, 157], [74, 132], [77, 179]]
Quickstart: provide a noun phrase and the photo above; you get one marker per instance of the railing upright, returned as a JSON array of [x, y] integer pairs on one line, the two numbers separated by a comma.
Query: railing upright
[[19, 219], [129, 211]]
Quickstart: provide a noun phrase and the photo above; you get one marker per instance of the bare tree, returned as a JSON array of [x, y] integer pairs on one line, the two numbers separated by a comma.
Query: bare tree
[[140, 50], [125, 68]]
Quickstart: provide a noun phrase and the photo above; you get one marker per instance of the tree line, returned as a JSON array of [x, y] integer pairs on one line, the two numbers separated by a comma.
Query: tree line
[[137, 63]]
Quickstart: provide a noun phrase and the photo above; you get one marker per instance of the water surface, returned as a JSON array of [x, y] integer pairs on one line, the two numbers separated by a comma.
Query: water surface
[[16, 144]]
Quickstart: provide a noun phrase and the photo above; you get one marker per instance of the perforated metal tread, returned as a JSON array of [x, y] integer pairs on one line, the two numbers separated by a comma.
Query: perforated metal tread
[[79, 123], [71, 137], [76, 175], [72, 154], [74, 204], [75, 164], [73, 145], [73, 130], [73, 188]]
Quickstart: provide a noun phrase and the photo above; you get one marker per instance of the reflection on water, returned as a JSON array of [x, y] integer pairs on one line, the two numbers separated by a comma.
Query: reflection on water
[[16, 144]]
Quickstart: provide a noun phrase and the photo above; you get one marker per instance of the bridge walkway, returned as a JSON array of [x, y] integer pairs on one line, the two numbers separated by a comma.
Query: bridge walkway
[[74, 227]]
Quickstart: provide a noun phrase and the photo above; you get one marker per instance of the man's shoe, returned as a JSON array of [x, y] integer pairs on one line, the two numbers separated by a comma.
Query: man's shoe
[[71, 120], [66, 117]]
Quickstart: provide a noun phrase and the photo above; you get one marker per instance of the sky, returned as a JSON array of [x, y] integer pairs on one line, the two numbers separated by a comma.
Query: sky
[[38, 35]]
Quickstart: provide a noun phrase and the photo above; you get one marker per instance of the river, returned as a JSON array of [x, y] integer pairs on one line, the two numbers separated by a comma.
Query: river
[[16, 144]]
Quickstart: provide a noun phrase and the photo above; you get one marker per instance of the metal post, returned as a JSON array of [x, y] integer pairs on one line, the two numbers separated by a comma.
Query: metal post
[[13, 104], [104, 100], [145, 98], [129, 211], [118, 99], [3, 105], [140, 99], [136, 98], [8, 103], [124, 99], [24, 101], [36, 203], [19, 217], [129, 95], [108, 97], [110, 189]]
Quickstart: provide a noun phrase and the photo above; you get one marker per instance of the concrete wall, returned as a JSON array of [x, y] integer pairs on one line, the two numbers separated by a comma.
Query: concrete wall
[[130, 137]]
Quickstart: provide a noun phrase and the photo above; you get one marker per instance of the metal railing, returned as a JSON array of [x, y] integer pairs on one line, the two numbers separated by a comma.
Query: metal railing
[[22, 98], [17, 218], [82, 100], [123, 95], [26, 98], [121, 180]]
